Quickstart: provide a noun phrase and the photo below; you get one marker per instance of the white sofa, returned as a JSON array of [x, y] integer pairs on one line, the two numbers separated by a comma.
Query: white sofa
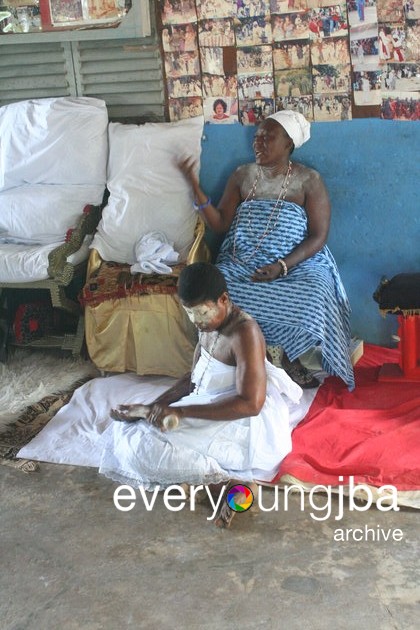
[[53, 157]]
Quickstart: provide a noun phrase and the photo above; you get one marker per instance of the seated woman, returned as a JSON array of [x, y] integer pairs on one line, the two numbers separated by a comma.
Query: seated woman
[[278, 268], [231, 412]]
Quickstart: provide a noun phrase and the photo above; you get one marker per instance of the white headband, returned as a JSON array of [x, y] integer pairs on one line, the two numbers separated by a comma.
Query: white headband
[[296, 126]]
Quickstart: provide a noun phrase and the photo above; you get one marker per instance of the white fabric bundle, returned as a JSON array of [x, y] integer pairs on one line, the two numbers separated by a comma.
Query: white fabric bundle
[[152, 251]]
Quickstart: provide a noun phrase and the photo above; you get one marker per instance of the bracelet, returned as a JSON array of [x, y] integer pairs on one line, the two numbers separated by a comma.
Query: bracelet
[[283, 265], [203, 206]]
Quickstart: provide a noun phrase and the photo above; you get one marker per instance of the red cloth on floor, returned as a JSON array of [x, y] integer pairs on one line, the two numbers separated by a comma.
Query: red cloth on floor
[[372, 433]]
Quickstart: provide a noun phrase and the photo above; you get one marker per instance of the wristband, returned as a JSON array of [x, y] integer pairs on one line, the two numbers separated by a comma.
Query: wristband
[[203, 206], [283, 265]]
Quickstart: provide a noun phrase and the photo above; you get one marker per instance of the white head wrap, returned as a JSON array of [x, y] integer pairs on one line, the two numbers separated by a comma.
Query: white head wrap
[[296, 126]]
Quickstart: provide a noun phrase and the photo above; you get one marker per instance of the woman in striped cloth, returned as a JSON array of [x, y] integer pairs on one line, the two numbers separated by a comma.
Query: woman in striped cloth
[[276, 216]]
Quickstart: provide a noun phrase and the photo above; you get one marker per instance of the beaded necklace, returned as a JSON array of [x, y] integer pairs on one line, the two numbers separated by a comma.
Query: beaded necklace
[[275, 211]]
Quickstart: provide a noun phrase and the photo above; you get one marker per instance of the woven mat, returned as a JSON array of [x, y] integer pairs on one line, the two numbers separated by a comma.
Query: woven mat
[[34, 418], [114, 281]]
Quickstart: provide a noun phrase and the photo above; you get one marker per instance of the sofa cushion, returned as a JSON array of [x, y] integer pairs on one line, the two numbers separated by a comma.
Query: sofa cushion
[[148, 192], [43, 213], [53, 141]]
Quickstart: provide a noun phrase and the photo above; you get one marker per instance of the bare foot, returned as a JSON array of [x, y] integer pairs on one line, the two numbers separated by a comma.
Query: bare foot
[[225, 516], [226, 513]]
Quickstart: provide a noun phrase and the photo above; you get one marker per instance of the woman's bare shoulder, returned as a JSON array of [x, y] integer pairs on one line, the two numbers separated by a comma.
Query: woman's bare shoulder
[[306, 175]]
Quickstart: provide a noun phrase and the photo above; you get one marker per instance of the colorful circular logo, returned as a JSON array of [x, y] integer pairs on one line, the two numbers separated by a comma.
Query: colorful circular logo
[[240, 498]]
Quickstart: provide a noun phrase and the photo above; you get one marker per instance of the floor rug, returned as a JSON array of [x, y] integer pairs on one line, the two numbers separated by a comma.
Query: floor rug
[[34, 385]]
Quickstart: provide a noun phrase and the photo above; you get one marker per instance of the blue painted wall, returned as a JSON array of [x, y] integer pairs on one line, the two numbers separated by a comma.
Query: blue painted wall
[[371, 169]]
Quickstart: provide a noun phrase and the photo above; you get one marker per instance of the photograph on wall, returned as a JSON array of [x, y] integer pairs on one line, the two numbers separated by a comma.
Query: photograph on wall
[[367, 88], [218, 32], [329, 21], [221, 111], [176, 12], [179, 38], [332, 50], [251, 8], [255, 86], [253, 111], [332, 107], [287, 26], [215, 9], [330, 79], [181, 108], [404, 77], [364, 49], [390, 10], [182, 64], [182, 87], [403, 106], [301, 104], [362, 12], [212, 60], [293, 82], [254, 59], [412, 9], [20, 16], [220, 85], [293, 54], [391, 40], [412, 41], [290, 6], [253, 31]]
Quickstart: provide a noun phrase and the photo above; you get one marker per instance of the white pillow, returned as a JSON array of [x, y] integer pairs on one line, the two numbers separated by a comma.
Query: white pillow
[[53, 141], [42, 214], [148, 192]]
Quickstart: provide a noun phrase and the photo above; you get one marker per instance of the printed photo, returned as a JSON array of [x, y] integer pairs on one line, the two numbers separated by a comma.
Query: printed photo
[[390, 10], [330, 21], [253, 111], [254, 59], [412, 41], [290, 26], [181, 108], [220, 85], [362, 12], [391, 40], [293, 82], [251, 8], [332, 50], [253, 31], [257, 86], [401, 77], [405, 106], [290, 6], [412, 9], [367, 88], [177, 11], [364, 51], [182, 87], [331, 79], [177, 38], [221, 111], [215, 9], [301, 104], [332, 107], [215, 33], [212, 61], [182, 64], [293, 54]]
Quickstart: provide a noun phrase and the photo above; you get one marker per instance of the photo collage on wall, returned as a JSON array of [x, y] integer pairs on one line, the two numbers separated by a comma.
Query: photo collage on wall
[[238, 61]]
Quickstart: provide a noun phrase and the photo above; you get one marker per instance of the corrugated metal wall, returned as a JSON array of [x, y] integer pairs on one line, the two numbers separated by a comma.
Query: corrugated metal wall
[[126, 73]]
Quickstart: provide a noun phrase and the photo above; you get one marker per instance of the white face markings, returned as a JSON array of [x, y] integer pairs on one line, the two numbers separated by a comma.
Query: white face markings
[[202, 314]]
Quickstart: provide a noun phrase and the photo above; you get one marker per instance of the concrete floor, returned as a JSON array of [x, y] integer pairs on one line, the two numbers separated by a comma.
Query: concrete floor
[[72, 561]]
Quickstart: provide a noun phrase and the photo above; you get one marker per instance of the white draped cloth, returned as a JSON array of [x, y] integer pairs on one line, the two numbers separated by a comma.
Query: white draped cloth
[[205, 451]]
